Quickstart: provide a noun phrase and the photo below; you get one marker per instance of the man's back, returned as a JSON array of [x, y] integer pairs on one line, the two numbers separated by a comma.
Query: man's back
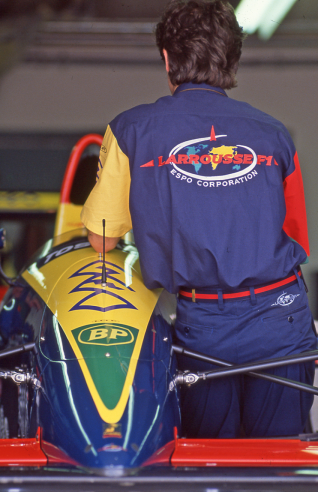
[[207, 175]]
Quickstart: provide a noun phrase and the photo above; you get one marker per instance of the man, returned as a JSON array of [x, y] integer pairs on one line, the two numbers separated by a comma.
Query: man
[[213, 191]]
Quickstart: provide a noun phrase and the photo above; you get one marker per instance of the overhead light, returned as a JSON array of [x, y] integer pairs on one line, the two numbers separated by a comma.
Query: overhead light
[[249, 14], [274, 16], [263, 15]]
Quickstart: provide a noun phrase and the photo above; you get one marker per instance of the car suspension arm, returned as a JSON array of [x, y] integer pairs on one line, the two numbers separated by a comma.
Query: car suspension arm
[[232, 370], [27, 347], [20, 376]]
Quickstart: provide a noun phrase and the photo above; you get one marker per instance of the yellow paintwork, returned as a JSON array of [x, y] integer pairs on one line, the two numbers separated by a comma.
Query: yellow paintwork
[[53, 284], [68, 218], [23, 201], [68, 236]]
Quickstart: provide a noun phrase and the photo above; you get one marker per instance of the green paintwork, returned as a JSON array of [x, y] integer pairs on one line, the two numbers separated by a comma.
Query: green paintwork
[[107, 349]]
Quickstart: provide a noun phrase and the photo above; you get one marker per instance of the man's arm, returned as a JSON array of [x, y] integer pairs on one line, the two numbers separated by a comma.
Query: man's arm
[[109, 199], [96, 242], [295, 224]]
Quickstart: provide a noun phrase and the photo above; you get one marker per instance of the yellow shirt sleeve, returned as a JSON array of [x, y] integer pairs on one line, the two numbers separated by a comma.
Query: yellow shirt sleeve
[[109, 199]]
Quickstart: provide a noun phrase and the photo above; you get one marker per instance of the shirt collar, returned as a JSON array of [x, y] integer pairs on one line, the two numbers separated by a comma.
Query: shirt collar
[[190, 86]]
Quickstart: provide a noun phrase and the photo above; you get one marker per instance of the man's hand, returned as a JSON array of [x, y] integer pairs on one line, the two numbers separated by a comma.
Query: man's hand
[[96, 242]]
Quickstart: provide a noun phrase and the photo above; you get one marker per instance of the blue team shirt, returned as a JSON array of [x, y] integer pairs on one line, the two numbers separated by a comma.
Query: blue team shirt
[[207, 190]]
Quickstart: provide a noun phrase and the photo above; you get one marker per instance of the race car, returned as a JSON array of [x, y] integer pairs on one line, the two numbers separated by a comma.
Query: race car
[[90, 377]]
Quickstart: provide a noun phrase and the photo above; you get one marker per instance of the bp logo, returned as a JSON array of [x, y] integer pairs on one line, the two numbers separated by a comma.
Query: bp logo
[[107, 349], [105, 334]]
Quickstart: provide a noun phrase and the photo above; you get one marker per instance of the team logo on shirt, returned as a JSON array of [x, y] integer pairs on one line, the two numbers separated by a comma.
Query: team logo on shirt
[[212, 162]]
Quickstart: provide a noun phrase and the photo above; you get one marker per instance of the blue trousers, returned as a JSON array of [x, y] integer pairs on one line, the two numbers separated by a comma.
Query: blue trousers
[[280, 323]]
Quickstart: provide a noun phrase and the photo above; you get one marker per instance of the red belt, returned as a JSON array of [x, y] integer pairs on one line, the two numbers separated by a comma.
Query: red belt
[[193, 294]]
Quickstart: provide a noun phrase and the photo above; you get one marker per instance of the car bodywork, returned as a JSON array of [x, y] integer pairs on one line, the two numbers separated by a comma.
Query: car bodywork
[[102, 369]]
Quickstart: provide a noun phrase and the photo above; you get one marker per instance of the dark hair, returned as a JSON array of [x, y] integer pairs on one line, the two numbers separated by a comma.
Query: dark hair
[[203, 41]]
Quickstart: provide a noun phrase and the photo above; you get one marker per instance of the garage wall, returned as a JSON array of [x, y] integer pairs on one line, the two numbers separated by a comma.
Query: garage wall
[[70, 98]]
